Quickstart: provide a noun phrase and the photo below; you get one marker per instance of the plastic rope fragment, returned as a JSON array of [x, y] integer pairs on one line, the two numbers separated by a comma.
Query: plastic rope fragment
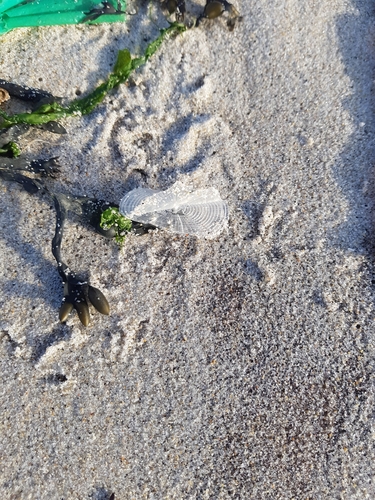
[[28, 13]]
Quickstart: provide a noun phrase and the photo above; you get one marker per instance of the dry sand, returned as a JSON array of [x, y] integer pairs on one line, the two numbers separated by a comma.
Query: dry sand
[[236, 368]]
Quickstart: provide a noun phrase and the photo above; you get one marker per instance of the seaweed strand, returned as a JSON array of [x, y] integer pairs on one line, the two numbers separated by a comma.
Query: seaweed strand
[[123, 68]]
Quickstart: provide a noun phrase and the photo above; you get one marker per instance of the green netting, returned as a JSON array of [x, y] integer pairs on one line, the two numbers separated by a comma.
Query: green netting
[[26, 13]]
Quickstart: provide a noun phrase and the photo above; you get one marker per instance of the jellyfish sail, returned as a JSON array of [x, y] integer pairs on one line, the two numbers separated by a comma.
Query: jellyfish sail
[[179, 209]]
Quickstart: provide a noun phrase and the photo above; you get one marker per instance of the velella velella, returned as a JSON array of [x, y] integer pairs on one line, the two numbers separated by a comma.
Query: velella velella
[[179, 209]]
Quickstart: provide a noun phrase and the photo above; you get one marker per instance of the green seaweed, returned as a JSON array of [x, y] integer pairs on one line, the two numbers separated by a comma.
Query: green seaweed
[[11, 150], [123, 68], [111, 217]]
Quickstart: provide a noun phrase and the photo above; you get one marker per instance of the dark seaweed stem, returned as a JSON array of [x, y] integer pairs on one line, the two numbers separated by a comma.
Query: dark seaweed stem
[[28, 94], [10, 169], [30, 185], [74, 289], [125, 65], [43, 167], [61, 214], [77, 291]]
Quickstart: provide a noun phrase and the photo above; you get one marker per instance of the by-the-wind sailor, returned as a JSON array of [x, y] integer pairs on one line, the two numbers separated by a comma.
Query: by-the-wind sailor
[[201, 212]]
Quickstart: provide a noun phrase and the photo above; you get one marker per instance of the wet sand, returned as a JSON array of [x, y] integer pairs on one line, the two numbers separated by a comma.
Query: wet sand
[[239, 367]]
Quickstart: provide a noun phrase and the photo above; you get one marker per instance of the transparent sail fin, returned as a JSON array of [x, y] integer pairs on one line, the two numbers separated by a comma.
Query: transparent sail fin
[[180, 210]]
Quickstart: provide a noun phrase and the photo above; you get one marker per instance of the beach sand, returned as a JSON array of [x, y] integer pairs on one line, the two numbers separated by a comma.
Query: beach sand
[[235, 368]]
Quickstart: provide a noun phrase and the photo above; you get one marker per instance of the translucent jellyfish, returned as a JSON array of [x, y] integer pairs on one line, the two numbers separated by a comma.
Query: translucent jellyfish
[[179, 209]]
